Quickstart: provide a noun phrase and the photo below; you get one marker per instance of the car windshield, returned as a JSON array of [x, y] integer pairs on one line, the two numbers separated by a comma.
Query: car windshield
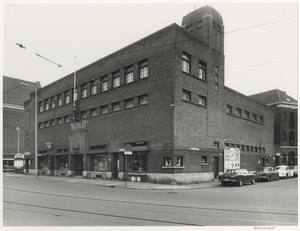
[[277, 168], [261, 170], [291, 167], [230, 171]]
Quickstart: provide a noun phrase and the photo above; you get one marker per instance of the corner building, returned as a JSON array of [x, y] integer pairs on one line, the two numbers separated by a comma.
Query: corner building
[[165, 96]]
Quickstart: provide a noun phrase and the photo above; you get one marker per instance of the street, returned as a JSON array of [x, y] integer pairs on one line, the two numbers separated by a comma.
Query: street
[[35, 202]]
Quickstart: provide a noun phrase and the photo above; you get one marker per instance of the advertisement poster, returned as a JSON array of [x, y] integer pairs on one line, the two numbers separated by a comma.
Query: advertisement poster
[[231, 158]]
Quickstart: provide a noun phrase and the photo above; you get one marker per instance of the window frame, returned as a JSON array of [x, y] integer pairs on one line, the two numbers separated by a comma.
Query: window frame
[[186, 63], [143, 69], [202, 70], [129, 74], [202, 99], [84, 91], [188, 94]]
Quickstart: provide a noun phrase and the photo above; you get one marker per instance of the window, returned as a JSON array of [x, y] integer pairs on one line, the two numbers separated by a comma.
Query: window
[[291, 120], [128, 103], [143, 99], [238, 112], [232, 145], [254, 116], [46, 105], [84, 114], [93, 111], [129, 74], [216, 144], [189, 28], [116, 79], [137, 162], [216, 69], [52, 122], [75, 95], [59, 100], [116, 106], [263, 150], [216, 87], [167, 161], [284, 117], [53, 102], [216, 78], [203, 159], [67, 119], [229, 109], [202, 100], [243, 147], [199, 24], [247, 115], [179, 161], [213, 24], [284, 136], [83, 91], [186, 95], [202, 70], [67, 97], [261, 119], [104, 109], [62, 162], [46, 124], [100, 162], [143, 66], [267, 161], [41, 108], [94, 87], [186, 63], [41, 125], [59, 120], [227, 145], [104, 81]]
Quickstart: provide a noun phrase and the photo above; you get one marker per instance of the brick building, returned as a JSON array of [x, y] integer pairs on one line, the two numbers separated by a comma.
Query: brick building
[[165, 96], [285, 125], [14, 97]]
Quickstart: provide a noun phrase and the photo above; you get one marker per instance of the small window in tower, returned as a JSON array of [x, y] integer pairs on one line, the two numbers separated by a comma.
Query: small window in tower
[[199, 24], [189, 28], [213, 24]]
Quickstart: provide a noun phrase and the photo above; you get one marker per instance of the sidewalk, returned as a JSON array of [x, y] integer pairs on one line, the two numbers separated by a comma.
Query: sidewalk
[[118, 184]]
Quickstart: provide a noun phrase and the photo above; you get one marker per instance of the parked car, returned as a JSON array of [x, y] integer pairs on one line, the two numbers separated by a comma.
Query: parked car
[[266, 173], [237, 176], [283, 171], [293, 171]]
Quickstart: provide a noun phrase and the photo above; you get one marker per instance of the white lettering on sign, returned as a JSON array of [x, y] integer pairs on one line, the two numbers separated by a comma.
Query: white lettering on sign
[[79, 125], [195, 149]]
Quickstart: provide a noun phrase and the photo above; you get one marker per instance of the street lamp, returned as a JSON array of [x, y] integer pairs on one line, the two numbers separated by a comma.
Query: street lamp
[[35, 127], [18, 129]]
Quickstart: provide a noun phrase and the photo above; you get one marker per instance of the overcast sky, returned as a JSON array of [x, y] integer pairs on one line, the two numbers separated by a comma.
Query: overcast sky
[[260, 39]]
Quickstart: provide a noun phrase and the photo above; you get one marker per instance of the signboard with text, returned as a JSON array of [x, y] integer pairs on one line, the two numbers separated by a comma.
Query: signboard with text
[[232, 158]]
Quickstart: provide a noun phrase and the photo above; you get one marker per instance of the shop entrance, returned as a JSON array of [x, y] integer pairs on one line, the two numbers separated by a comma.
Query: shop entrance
[[216, 167], [115, 165], [78, 165]]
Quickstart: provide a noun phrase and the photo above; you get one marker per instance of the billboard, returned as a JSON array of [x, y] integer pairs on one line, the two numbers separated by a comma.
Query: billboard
[[232, 158]]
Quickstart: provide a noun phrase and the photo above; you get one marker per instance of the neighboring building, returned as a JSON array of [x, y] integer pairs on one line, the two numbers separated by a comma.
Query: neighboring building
[[285, 124], [165, 96], [14, 97]]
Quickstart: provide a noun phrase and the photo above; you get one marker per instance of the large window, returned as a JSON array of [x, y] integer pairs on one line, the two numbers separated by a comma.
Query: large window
[[53, 102], [67, 97], [129, 74], [116, 79], [100, 162], [186, 63], [62, 162], [137, 161], [143, 66], [43, 160], [59, 100], [202, 70], [104, 81]]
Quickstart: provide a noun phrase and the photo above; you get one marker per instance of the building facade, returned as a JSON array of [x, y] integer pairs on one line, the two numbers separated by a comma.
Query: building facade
[[164, 96], [285, 125], [14, 97]]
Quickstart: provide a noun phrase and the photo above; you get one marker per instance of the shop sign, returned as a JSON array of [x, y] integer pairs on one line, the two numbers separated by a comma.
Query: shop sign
[[232, 158], [19, 155], [79, 125], [27, 153], [48, 145], [195, 149]]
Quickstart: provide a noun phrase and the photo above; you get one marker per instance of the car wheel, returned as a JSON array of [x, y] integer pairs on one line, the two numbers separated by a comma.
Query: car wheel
[[253, 181], [277, 178], [269, 178], [286, 176], [240, 183]]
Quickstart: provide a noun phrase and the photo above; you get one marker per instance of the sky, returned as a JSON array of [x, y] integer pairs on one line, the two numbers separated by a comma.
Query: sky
[[261, 43]]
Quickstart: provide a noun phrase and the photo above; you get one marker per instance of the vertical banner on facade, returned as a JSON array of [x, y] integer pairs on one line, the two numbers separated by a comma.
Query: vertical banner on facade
[[232, 158]]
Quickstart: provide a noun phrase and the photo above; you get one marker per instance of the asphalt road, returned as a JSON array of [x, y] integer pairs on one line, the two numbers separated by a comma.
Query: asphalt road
[[32, 202]]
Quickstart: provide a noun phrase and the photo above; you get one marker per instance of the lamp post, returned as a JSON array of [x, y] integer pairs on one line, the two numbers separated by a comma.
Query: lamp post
[[35, 127], [18, 129]]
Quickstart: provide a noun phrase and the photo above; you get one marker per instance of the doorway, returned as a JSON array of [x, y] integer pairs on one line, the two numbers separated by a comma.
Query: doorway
[[216, 167], [115, 166], [78, 165]]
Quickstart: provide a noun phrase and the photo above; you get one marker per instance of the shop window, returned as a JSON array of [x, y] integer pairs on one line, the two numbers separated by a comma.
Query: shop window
[[227, 145], [186, 95], [143, 66], [62, 162], [203, 159], [43, 162], [100, 162], [137, 161], [186, 63], [167, 161]]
